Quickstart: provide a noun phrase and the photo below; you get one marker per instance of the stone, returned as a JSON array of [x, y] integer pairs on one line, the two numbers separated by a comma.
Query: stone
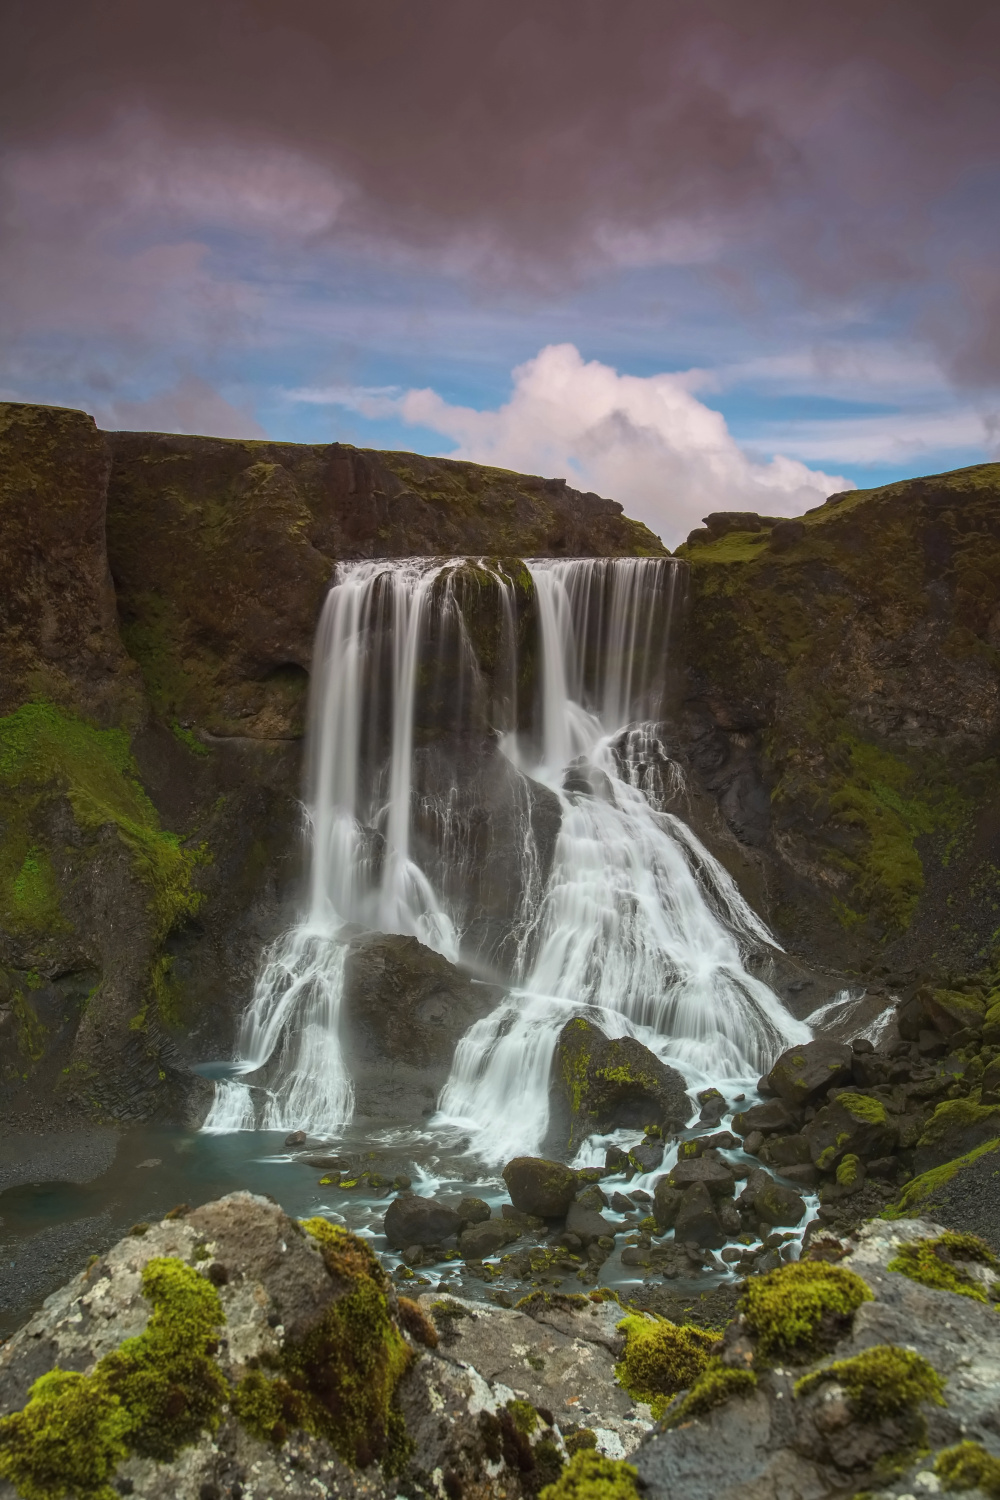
[[601, 1084], [804, 1175], [772, 1115], [666, 1202], [412, 1220], [989, 1084], [647, 1156], [785, 1151], [774, 1204], [697, 1221], [326, 1163], [592, 1197], [713, 1106], [753, 1142], [297, 1138], [713, 1175], [853, 1124], [588, 1224], [472, 1211], [804, 1074], [956, 1127], [786, 533], [485, 1237], [545, 1189], [951, 1011]]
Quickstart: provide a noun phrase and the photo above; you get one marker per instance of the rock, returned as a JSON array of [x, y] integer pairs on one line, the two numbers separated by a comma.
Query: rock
[[592, 1197], [542, 1188], [297, 1138], [472, 1211], [601, 1084], [666, 1202], [697, 1220], [951, 1011], [615, 1160], [621, 1204], [753, 1142], [853, 1124], [772, 1115], [647, 1156], [774, 1204], [989, 1084], [484, 1238], [587, 1224], [960, 1194], [412, 1220], [785, 1151], [956, 1127], [713, 1106], [326, 1163], [527, 1223], [803, 1074], [804, 1175], [862, 1044], [785, 534], [716, 1178]]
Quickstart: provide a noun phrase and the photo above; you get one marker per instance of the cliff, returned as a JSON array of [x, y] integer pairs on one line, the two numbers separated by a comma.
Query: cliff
[[156, 629]]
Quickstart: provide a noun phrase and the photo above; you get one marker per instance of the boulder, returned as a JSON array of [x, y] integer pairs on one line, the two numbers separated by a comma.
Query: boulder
[[713, 1106], [802, 1075], [785, 1151], [852, 1124], [697, 1221], [587, 1224], [472, 1211], [956, 1127], [774, 1204], [713, 1175], [486, 1237], [601, 1084], [666, 1202], [955, 1010], [540, 1187], [773, 1114], [989, 1084], [412, 1220], [647, 1156]]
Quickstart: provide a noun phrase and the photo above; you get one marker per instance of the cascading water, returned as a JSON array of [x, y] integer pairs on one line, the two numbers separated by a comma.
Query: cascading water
[[633, 924]]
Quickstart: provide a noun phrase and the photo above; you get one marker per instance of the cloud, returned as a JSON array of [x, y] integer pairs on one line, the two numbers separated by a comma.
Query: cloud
[[646, 441], [191, 406]]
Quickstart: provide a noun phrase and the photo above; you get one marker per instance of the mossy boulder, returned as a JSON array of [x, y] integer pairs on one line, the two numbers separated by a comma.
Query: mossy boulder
[[955, 1128], [778, 1205], [712, 1172], [697, 1220], [414, 1220], [956, 1010], [802, 1309], [601, 1083], [804, 1074], [853, 1124], [542, 1188]]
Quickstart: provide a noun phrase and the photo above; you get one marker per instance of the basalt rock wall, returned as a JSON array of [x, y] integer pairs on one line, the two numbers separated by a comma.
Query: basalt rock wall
[[156, 628]]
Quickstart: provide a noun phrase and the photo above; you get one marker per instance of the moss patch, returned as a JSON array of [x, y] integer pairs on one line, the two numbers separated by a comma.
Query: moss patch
[[714, 1387], [590, 1476], [919, 1195], [938, 1263], [956, 1115], [661, 1358], [968, 1466], [881, 1382], [153, 1395], [801, 1309]]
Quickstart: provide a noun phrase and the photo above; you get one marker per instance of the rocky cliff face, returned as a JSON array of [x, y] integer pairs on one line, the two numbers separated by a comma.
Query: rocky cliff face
[[843, 718], [156, 630]]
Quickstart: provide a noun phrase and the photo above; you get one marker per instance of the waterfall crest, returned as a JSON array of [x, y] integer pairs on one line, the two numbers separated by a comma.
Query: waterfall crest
[[633, 924]]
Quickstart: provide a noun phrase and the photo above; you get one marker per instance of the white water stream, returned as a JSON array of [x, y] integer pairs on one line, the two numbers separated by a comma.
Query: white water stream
[[637, 927]]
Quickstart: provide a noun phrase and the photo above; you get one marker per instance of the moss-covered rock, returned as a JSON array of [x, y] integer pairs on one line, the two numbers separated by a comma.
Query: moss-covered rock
[[601, 1083], [801, 1309], [956, 1127], [540, 1187], [853, 1124], [955, 1191], [661, 1358], [880, 1382], [591, 1476], [943, 1263], [968, 1466]]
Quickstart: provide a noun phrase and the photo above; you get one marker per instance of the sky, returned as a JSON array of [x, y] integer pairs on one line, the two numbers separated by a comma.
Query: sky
[[695, 256]]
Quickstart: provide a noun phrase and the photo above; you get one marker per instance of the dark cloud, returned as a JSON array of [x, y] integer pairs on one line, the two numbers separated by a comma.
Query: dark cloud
[[831, 144]]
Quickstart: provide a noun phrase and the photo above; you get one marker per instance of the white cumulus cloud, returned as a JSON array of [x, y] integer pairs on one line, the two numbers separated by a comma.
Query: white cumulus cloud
[[646, 441]]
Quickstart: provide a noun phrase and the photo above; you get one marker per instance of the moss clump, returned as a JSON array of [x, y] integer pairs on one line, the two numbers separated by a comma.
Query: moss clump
[[863, 1107], [802, 1308], [580, 1440], [968, 1466], [44, 750], [590, 1476], [524, 1416], [849, 1172], [661, 1358], [881, 1382], [917, 1196], [937, 1263], [152, 1395], [714, 1387], [956, 1114]]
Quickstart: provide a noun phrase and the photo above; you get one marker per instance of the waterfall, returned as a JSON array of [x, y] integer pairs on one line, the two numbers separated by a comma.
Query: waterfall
[[632, 923]]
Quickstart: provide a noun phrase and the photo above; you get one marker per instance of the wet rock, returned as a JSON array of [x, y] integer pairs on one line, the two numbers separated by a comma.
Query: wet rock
[[774, 1204], [647, 1156], [472, 1211], [666, 1203], [592, 1197], [772, 1115], [713, 1106], [785, 1151], [697, 1220], [951, 1011], [716, 1178], [297, 1138], [956, 1127], [753, 1142], [412, 1220], [483, 1239], [601, 1084], [804, 1176], [804, 1074], [326, 1163], [615, 1160], [853, 1124], [545, 1189], [621, 1204], [588, 1224]]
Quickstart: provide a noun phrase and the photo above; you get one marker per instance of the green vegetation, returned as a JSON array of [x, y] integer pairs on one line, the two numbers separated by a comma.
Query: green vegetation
[[968, 1466], [45, 751], [849, 1172], [918, 1196], [937, 1263], [863, 1107], [189, 740], [714, 1387], [802, 1308], [661, 1358], [524, 1416], [956, 1115], [152, 1395], [880, 1382], [590, 1476]]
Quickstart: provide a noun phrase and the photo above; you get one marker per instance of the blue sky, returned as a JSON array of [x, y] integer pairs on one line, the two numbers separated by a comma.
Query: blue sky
[[690, 256]]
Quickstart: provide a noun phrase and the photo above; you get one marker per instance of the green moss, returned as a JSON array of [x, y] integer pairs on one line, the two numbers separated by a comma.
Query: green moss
[[524, 1416], [714, 1387], [340, 1380], [188, 739], [661, 1358], [880, 1382], [848, 1171], [580, 1440], [956, 1115], [34, 896], [917, 1196], [937, 1263], [46, 751], [152, 1395], [968, 1466], [591, 1476], [796, 1311], [862, 1107]]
